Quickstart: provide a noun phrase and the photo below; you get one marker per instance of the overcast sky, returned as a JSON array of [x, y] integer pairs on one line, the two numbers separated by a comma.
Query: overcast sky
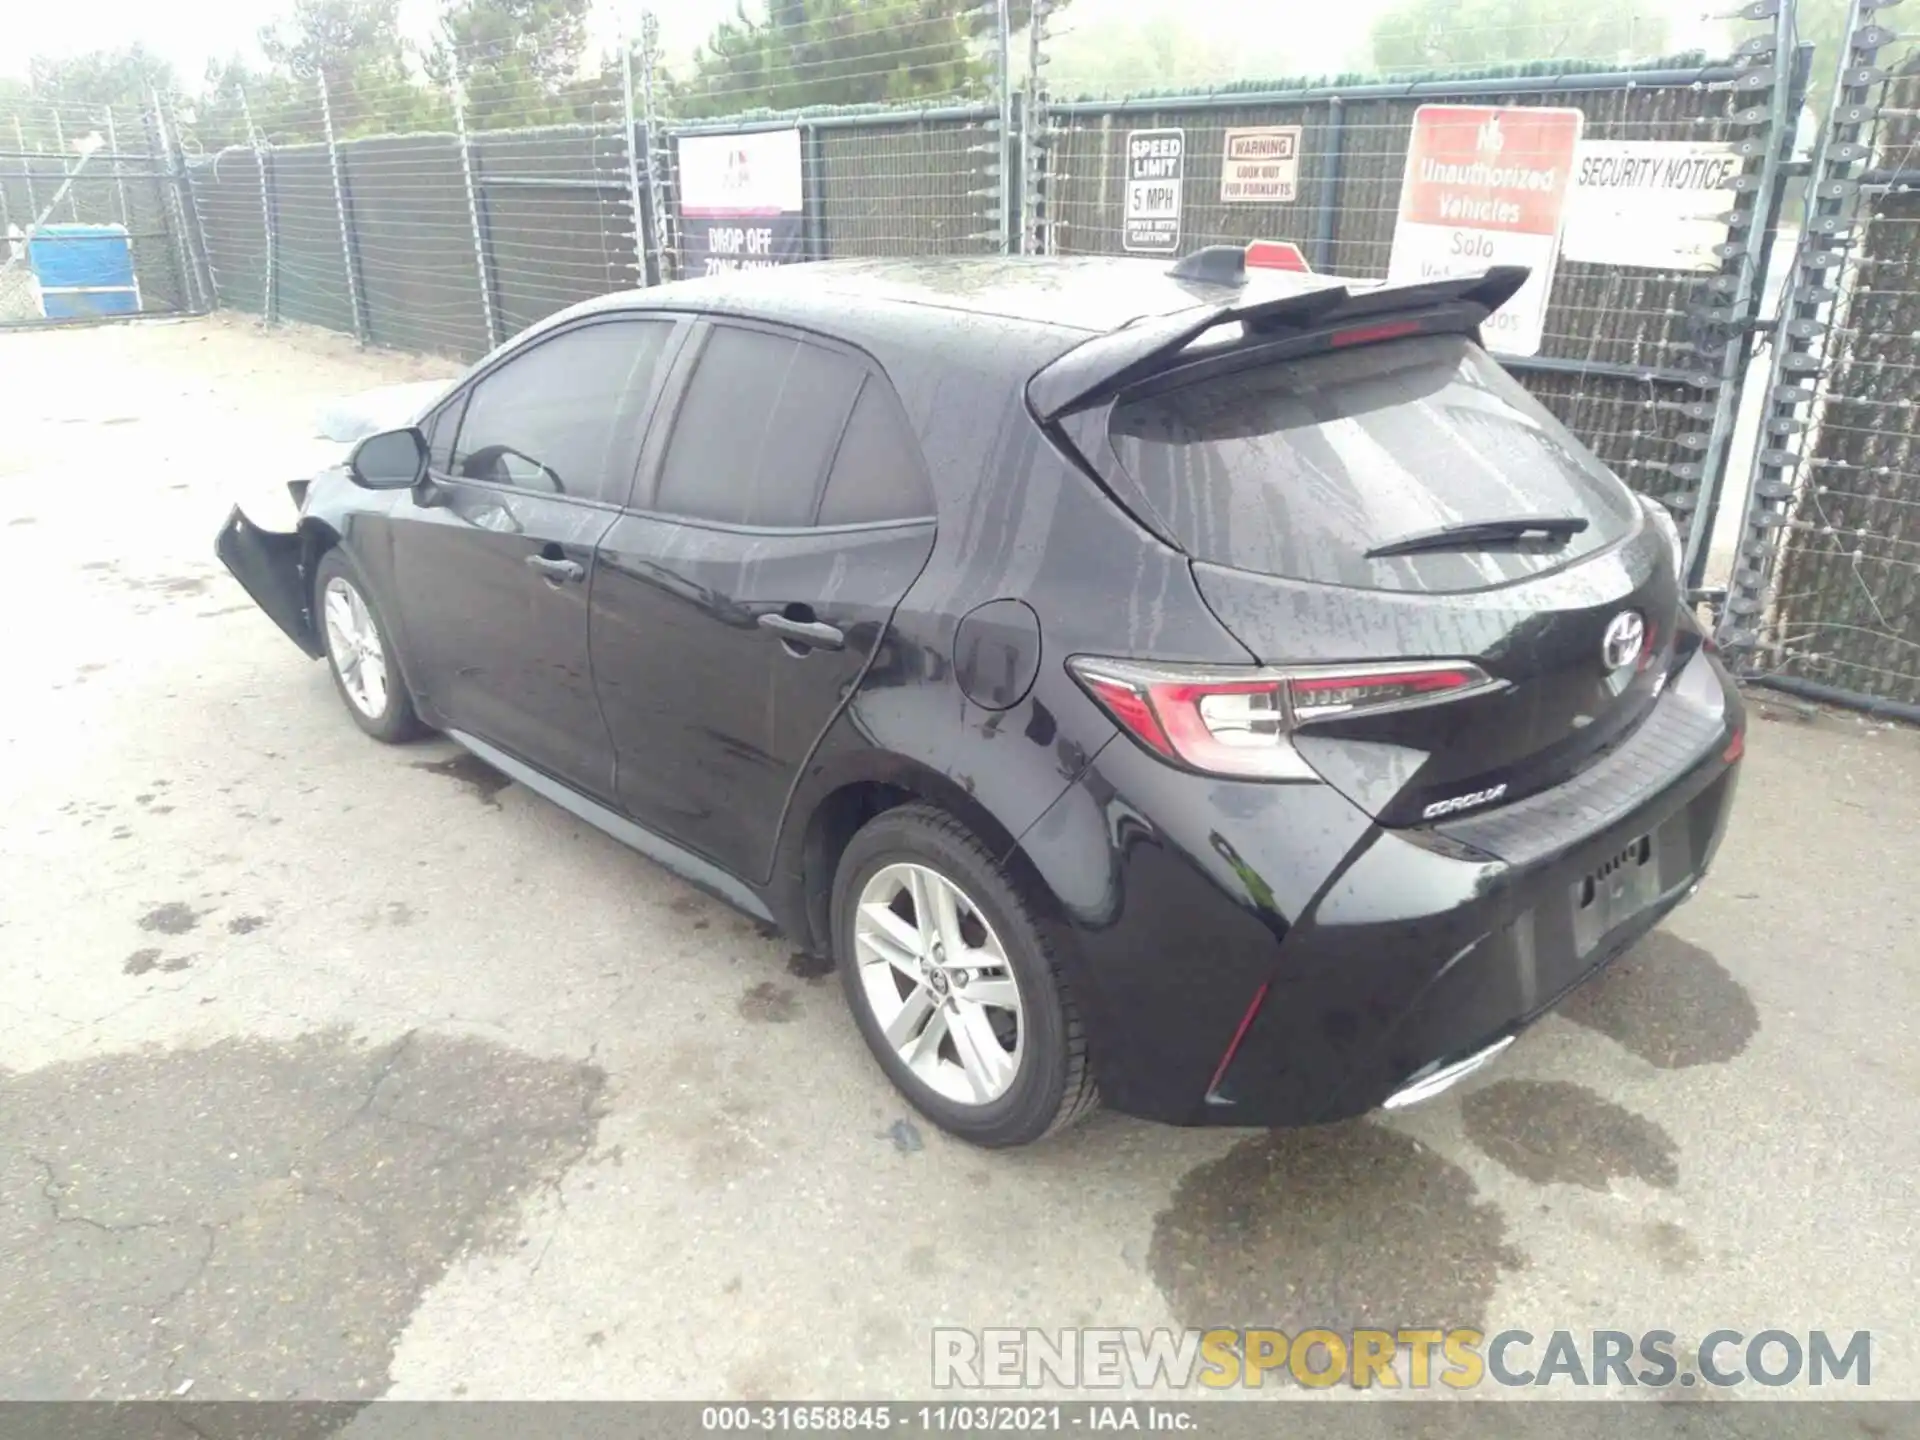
[[1253, 36]]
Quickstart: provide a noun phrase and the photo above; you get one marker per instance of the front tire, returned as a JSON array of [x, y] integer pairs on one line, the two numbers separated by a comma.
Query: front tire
[[360, 653], [952, 983]]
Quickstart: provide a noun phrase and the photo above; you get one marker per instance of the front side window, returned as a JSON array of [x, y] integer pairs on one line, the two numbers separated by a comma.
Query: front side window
[[564, 418]]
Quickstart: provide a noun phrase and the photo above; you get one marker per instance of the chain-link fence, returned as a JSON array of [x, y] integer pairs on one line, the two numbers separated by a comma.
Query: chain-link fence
[[442, 239], [91, 217], [453, 239]]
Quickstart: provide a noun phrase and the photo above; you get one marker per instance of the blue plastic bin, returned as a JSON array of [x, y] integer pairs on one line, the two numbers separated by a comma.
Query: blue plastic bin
[[84, 270]]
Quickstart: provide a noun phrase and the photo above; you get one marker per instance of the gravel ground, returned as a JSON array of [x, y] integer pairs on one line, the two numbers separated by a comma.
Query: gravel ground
[[334, 1070]]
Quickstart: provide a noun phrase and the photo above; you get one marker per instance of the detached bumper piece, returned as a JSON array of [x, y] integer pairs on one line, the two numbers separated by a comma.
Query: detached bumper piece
[[268, 565]]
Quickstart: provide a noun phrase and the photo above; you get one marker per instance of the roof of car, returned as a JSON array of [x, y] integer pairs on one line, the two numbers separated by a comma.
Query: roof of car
[[1091, 294]]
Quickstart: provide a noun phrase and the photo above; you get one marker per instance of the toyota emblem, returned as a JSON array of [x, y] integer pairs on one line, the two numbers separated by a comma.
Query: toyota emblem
[[1626, 633]]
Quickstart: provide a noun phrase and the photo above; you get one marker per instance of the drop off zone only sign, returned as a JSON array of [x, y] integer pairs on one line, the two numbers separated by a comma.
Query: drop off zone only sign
[[1485, 186]]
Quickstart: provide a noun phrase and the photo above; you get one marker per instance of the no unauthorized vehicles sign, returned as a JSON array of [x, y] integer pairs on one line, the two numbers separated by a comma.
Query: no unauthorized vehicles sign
[[1156, 178], [1487, 186]]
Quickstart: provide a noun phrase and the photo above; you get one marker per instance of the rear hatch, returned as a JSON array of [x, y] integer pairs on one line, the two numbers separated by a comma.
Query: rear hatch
[[1393, 503]]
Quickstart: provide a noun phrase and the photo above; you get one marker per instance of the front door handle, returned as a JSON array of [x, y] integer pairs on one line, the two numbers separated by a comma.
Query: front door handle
[[555, 569], [813, 634]]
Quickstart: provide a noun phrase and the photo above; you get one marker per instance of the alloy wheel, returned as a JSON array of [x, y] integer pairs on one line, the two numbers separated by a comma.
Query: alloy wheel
[[353, 646], [939, 983]]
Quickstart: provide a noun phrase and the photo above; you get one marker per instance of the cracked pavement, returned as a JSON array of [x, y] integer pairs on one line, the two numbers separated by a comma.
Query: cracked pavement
[[334, 1071]]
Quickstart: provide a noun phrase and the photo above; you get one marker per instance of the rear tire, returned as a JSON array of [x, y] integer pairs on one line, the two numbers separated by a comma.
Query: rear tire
[[952, 983], [360, 652]]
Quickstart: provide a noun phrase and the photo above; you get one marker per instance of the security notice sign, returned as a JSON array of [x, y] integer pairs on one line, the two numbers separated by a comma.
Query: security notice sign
[[1487, 186], [1156, 176], [1261, 167], [740, 201], [1659, 204]]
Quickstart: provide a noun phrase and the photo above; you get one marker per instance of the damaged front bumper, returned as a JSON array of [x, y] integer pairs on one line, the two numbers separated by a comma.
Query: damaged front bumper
[[271, 566]]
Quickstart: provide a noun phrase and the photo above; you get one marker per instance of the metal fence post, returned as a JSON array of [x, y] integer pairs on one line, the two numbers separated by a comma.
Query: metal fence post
[[1036, 142], [1327, 203], [60, 145], [1003, 75], [193, 233], [26, 169], [119, 176], [632, 129], [340, 205], [813, 230], [269, 307], [1799, 351], [656, 142], [489, 312], [174, 202], [1723, 326]]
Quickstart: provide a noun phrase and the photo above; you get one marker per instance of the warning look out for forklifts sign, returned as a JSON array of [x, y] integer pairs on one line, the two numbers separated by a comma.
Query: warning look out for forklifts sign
[[1487, 186]]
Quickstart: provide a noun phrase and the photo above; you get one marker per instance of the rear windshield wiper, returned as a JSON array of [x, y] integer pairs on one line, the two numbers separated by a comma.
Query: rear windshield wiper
[[1484, 534]]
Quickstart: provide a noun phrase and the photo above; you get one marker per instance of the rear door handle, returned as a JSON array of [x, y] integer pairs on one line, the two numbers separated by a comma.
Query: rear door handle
[[815, 634], [557, 569]]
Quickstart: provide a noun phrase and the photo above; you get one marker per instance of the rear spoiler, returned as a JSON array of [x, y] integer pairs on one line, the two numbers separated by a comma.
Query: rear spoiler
[[1113, 361]]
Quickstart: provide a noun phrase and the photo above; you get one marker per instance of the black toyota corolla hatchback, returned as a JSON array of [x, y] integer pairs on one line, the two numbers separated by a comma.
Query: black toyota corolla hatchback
[[1226, 695]]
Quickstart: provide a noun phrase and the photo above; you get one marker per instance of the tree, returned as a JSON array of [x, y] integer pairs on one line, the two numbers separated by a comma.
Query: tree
[[1448, 34], [78, 90], [239, 104], [102, 77], [355, 47], [520, 61], [1823, 24], [841, 52]]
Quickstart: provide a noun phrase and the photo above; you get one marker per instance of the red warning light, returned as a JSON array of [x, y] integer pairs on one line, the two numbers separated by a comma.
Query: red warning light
[[1277, 255]]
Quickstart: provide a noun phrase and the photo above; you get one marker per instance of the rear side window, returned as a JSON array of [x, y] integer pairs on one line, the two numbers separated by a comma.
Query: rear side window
[[1298, 469], [876, 472], [757, 429], [563, 417]]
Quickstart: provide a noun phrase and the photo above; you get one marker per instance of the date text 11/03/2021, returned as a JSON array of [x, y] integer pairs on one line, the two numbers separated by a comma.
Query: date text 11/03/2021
[[961, 1419]]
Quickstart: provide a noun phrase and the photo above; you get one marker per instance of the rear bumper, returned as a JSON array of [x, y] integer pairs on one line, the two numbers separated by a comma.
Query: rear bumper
[[270, 566], [1340, 964]]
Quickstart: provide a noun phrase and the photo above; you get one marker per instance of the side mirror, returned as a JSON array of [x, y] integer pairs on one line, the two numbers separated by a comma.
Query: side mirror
[[391, 460]]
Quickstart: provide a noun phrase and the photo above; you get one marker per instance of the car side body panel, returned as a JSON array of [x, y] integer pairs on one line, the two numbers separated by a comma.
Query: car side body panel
[[500, 647], [712, 713]]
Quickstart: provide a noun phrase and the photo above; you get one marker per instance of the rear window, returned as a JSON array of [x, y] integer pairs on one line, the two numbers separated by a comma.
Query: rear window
[[1299, 469]]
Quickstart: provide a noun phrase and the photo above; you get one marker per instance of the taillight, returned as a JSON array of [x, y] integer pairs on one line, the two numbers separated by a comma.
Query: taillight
[[1736, 747], [1229, 721]]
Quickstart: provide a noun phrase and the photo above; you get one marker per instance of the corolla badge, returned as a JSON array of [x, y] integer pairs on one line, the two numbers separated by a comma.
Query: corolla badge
[[1626, 634], [1463, 802]]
